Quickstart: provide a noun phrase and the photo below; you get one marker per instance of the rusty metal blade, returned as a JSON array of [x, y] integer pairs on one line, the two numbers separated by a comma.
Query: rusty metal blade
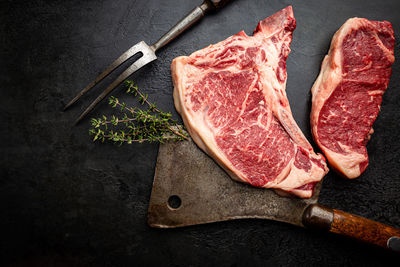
[[208, 194]]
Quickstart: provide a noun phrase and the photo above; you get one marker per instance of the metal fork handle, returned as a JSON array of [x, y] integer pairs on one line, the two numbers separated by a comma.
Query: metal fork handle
[[194, 15]]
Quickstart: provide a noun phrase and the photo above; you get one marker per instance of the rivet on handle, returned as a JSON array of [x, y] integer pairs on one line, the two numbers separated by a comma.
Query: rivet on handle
[[393, 243]]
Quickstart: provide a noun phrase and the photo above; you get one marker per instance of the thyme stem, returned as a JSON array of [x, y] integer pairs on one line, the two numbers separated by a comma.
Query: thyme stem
[[137, 141]]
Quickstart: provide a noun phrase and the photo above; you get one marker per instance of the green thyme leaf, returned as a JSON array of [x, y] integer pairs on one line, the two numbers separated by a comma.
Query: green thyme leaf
[[148, 124]]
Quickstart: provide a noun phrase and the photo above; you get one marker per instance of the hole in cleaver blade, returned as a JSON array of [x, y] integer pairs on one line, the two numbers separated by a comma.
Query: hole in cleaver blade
[[207, 194]]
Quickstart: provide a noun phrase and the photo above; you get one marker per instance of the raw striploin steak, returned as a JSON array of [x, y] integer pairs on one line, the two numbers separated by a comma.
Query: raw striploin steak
[[232, 99], [347, 94]]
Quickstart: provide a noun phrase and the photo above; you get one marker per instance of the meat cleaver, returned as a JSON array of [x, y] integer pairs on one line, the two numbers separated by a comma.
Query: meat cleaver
[[190, 188]]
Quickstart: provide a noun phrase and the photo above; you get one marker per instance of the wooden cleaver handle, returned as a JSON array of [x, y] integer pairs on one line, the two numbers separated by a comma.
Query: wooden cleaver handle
[[343, 223]]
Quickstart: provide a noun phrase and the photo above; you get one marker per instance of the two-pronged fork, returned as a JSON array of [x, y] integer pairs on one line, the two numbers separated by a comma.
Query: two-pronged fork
[[147, 53]]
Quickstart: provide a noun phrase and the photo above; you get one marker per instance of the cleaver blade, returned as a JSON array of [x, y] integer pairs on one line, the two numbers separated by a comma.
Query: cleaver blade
[[190, 188]]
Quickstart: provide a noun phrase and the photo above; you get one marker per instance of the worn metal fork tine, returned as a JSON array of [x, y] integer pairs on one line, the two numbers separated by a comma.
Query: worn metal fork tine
[[134, 67], [125, 56]]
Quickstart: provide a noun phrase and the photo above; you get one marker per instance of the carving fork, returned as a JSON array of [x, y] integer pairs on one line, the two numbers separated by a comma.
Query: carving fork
[[147, 53]]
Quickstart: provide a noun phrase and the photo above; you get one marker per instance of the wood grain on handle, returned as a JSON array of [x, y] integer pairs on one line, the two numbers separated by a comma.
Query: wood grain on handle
[[340, 222], [362, 229]]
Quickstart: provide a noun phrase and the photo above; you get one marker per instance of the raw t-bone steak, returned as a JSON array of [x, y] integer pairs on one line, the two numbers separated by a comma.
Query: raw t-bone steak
[[347, 94], [232, 99]]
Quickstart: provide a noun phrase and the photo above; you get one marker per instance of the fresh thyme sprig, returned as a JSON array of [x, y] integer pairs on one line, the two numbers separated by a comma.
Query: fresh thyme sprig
[[136, 125]]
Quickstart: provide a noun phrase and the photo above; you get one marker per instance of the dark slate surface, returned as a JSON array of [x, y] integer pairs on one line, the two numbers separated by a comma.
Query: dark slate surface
[[66, 201]]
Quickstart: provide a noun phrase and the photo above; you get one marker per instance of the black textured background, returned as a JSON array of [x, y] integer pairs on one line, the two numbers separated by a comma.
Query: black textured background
[[66, 201]]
